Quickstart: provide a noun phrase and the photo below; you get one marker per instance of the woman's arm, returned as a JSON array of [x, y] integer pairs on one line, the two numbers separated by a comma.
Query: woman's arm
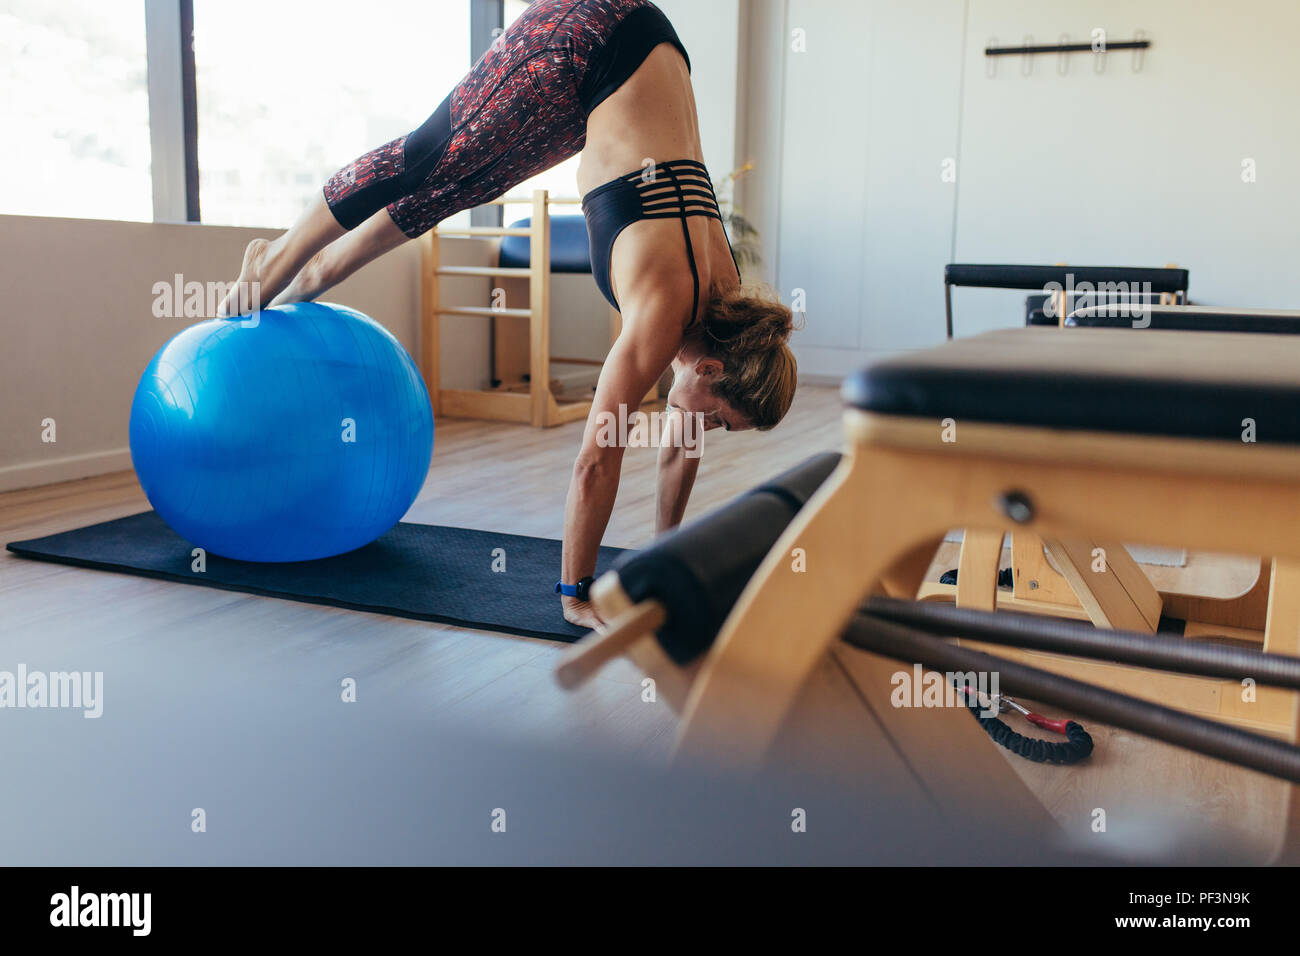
[[643, 350], [678, 465]]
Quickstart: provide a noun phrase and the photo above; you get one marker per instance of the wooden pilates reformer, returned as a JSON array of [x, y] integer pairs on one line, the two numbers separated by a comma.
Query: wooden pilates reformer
[[1036, 580], [1092, 434], [530, 399], [1062, 577]]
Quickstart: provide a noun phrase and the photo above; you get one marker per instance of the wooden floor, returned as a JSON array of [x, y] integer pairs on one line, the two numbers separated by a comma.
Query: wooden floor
[[514, 478]]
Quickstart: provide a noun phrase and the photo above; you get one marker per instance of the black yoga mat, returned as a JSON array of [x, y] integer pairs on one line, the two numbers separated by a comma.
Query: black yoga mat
[[418, 571]]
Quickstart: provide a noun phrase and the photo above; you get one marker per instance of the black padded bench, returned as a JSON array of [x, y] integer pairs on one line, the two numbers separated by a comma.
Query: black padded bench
[[1098, 380], [1041, 310], [1104, 283], [698, 570], [1187, 318]]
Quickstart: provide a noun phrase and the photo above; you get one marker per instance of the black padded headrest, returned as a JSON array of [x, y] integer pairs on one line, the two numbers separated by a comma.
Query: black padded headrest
[[698, 570]]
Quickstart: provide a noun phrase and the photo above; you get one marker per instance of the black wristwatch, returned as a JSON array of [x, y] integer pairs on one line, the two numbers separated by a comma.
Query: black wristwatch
[[581, 590]]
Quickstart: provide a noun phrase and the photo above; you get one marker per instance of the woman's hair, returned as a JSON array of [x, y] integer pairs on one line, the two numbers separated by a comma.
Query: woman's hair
[[746, 328]]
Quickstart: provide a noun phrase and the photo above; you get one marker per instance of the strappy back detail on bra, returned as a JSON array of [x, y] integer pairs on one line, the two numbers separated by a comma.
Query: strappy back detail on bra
[[678, 189]]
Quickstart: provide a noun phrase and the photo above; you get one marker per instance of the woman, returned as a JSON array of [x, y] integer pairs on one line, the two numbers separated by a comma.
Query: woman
[[609, 78]]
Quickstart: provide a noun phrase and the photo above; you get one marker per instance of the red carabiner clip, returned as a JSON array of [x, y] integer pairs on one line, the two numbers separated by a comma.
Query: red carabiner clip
[[1003, 702], [1056, 726]]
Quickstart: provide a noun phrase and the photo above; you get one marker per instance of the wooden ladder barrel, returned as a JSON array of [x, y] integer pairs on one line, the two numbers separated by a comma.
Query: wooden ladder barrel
[[531, 402]]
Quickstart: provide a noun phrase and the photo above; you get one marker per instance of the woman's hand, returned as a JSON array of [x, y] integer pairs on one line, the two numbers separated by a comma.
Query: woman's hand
[[581, 613]]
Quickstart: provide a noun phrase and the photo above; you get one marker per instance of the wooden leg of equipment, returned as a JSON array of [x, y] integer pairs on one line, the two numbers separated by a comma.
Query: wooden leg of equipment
[[1033, 577], [1288, 853], [671, 682], [539, 306], [602, 646], [429, 292], [847, 535], [1282, 636], [1102, 579], [1247, 611], [1282, 627], [904, 578], [977, 569], [1108, 583]]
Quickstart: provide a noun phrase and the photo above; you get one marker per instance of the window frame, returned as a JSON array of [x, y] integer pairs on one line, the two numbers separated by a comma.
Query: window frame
[[173, 113], [173, 103]]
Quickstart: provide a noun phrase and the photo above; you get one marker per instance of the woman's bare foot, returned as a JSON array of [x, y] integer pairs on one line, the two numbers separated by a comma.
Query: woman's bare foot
[[342, 257], [271, 266], [246, 294], [265, 280], [310, 282]]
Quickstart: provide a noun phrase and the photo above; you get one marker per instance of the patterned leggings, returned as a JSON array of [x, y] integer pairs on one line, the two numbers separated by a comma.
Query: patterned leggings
[[518, 111]]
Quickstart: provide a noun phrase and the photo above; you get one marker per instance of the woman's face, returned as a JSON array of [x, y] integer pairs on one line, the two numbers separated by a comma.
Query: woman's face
[[692, 393]]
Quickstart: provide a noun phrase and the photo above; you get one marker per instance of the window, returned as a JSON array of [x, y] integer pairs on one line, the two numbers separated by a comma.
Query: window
[[290, 92], [75, 111]]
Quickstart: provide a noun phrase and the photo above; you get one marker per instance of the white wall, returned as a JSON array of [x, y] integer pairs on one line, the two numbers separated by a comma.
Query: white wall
[[863, 209], [761, 129], [79, 327], [710, 31], [1116, 168], [1135, 168]]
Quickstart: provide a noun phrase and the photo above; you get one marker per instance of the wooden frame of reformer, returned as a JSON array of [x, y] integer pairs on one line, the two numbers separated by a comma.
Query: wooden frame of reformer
[[878, 520]]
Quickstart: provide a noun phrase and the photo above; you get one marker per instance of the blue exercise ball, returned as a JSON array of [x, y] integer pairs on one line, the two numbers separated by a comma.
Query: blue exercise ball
[[300, 432]]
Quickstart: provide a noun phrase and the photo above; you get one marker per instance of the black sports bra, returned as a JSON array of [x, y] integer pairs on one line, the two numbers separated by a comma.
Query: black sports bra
[[674, 190], [624, 51]]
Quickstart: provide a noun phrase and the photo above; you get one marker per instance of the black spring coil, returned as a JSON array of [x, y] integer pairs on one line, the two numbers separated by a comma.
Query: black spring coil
[[1077, 745]]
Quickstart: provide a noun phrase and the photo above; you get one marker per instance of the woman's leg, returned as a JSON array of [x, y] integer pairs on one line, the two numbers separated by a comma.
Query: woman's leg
[[355, 195], [514, 114], [270, 265], [342, 257]]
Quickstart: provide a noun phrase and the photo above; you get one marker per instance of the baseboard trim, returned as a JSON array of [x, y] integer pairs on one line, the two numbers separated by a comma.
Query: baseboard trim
[[69, 468]]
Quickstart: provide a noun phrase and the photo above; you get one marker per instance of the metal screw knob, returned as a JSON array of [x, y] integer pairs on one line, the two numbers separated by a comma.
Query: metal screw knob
[[1017, 506]]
